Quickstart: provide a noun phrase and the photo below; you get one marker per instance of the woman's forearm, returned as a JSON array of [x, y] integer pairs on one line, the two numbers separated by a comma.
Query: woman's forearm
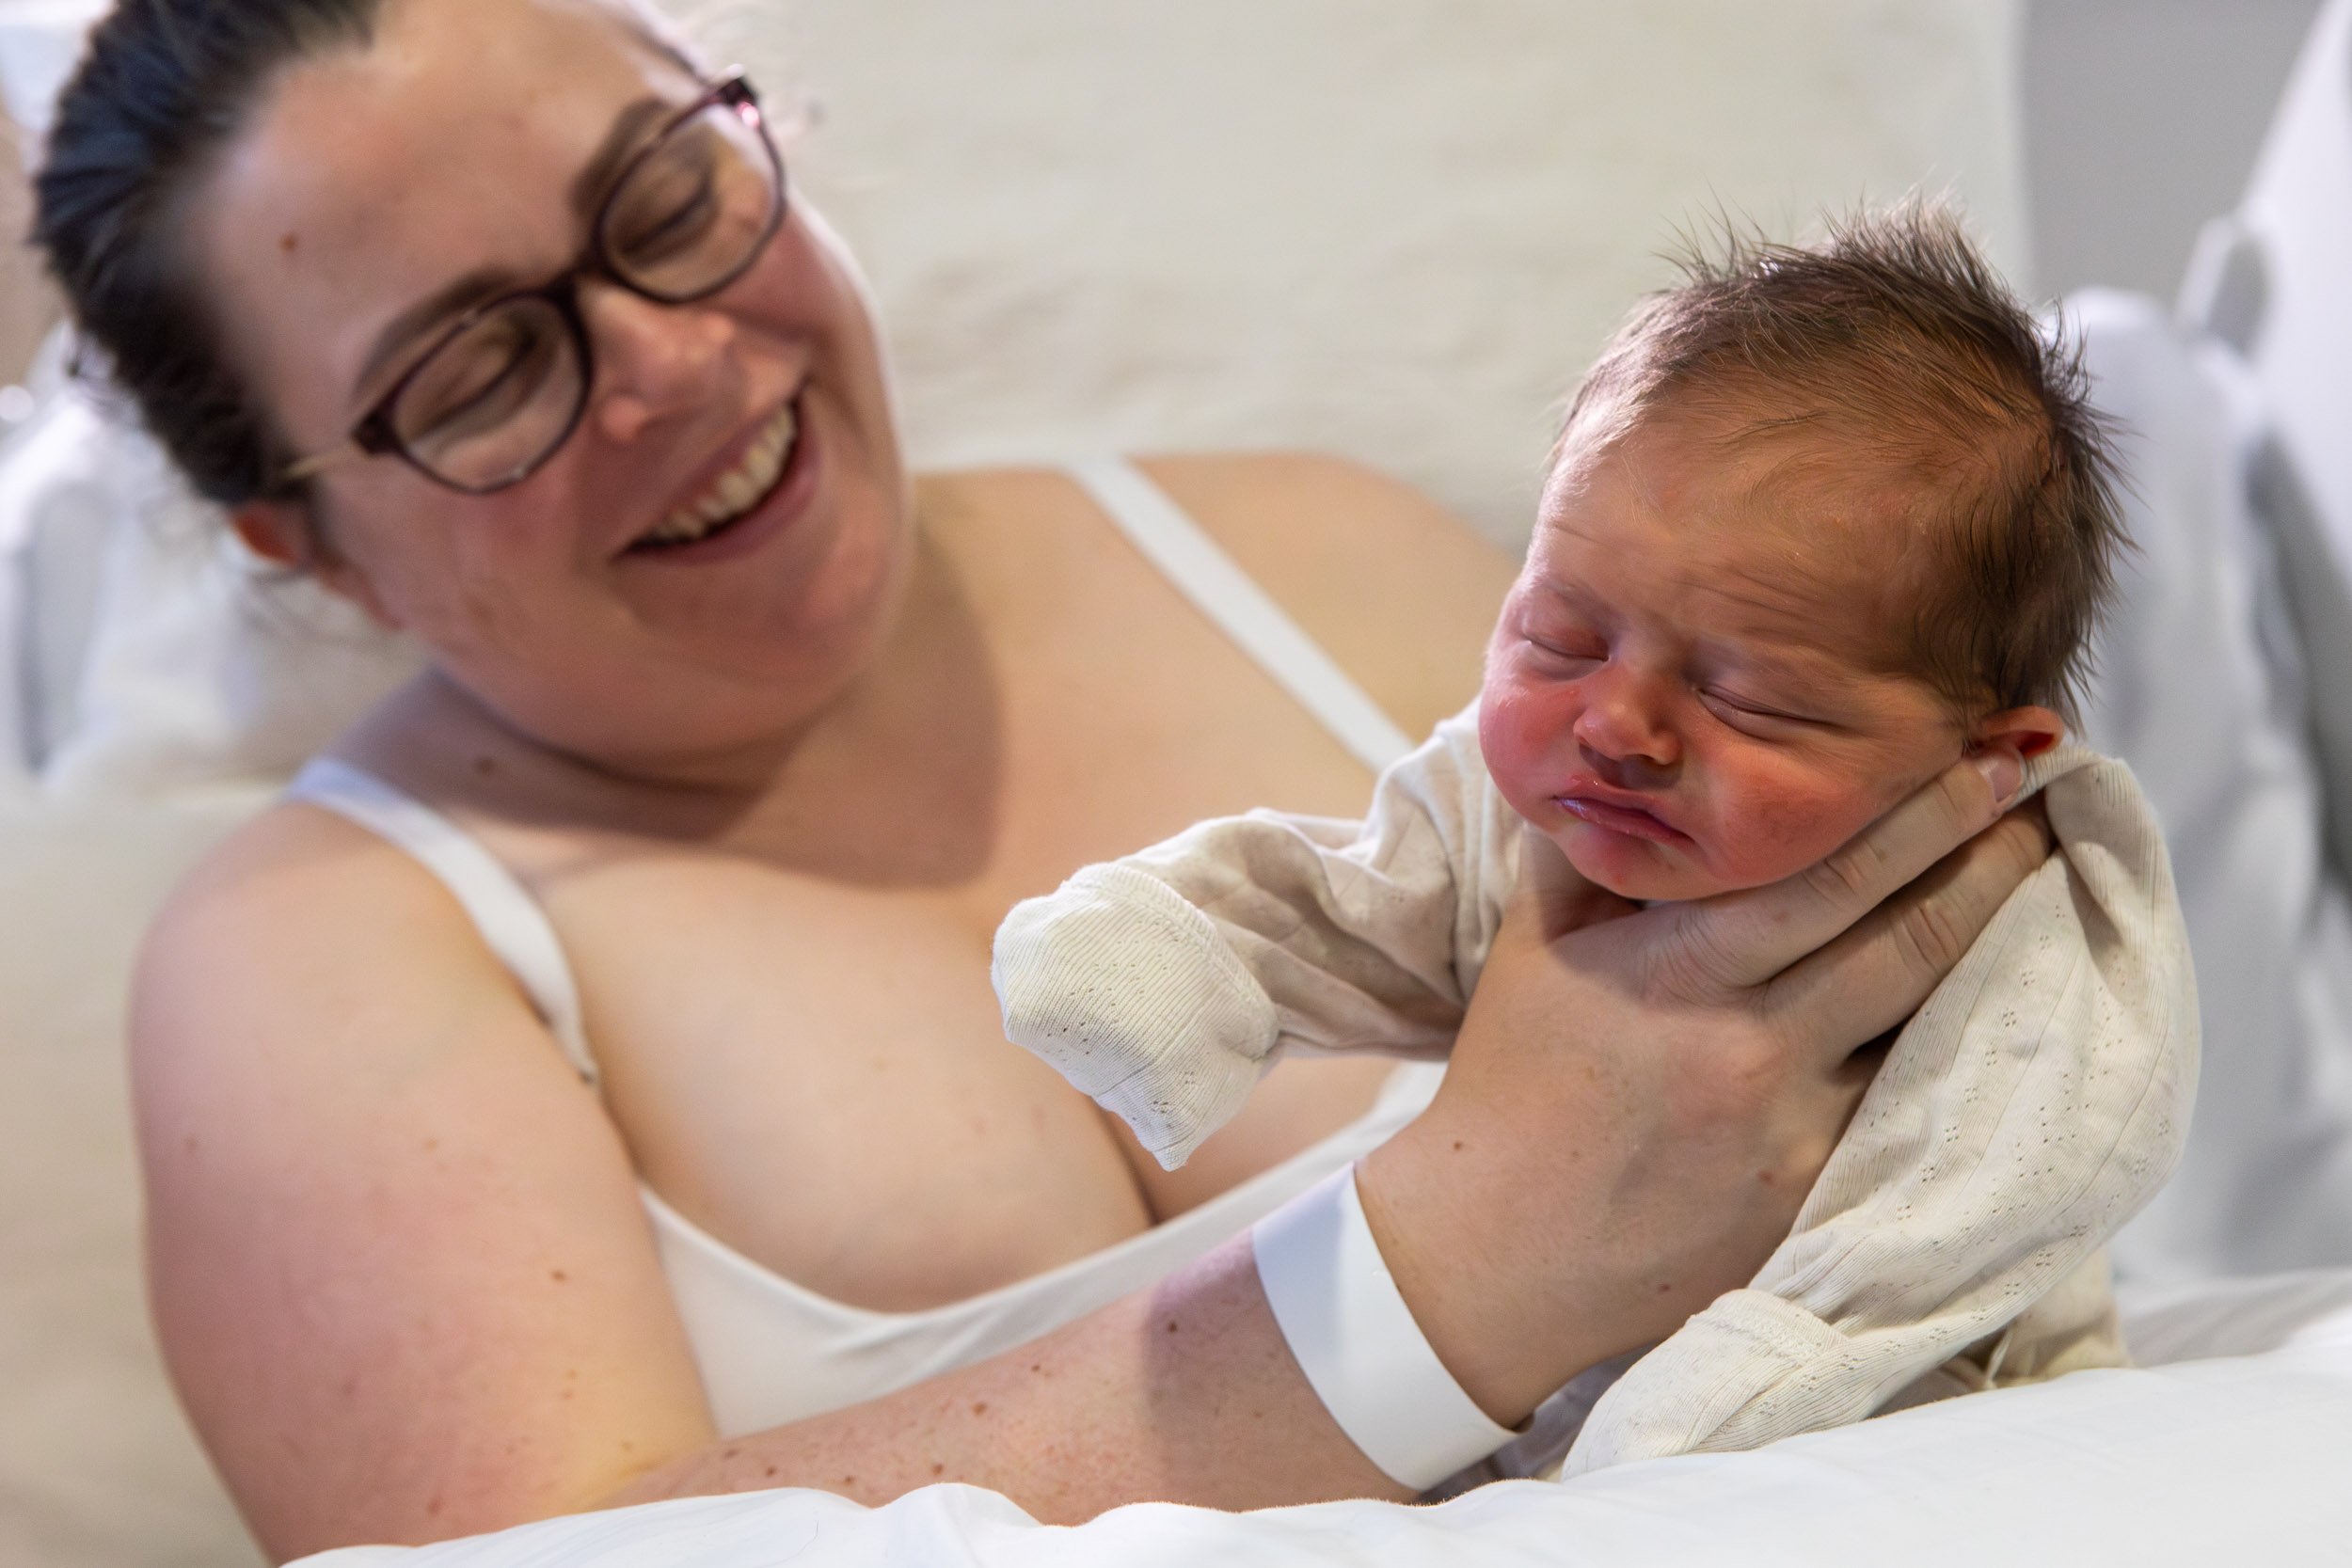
[[1184, 1393]]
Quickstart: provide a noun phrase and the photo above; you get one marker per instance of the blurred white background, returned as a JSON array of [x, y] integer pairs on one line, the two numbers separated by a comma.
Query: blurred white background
[[1398, 231], [1395, 231], [2142, 118]]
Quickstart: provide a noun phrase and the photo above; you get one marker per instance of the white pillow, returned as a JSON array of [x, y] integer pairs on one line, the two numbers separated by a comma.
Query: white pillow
[[2292, 266], [2201, 687], [202, 669], [40, 43], [59, 501]]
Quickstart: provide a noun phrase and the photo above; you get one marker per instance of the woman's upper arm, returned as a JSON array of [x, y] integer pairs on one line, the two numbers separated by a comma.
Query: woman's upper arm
[[400, 1269]]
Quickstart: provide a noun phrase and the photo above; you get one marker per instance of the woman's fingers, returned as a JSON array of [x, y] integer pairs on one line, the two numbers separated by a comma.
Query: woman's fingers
[[1878, 973], [1746, 938]]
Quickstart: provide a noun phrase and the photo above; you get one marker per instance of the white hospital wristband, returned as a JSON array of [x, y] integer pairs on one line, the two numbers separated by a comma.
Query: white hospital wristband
[[1357, 1341]]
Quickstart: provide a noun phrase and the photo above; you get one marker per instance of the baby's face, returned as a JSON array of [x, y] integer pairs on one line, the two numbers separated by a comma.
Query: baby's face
[[1692, 688]]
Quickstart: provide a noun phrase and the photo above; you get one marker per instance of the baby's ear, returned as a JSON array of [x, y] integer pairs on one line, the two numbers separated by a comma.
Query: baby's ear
[[2031, 730]]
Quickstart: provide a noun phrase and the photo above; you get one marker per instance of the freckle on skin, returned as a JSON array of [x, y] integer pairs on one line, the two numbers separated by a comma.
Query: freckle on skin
[[980, 1407], [1457, 1145], [938, 1469], [289, 243], [485, 766], [558, 1275]]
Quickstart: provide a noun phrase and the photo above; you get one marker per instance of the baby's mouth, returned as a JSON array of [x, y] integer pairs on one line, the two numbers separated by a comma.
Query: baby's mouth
[[1630, 820], [736, 493]]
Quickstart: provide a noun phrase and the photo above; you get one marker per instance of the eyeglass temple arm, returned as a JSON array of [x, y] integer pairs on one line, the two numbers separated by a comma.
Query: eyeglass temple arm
[[294, 473]]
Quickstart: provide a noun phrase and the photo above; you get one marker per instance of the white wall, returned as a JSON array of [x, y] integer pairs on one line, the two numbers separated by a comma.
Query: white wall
[[1394, 228]]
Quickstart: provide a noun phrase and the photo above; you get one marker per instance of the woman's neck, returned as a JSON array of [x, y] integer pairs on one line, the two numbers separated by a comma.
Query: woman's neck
[[894, 781]]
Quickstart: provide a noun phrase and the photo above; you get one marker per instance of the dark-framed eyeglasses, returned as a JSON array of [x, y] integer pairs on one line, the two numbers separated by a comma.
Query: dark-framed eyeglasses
[[503, 387]]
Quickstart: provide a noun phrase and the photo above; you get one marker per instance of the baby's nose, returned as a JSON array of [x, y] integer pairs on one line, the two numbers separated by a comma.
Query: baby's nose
[[1627, 740]]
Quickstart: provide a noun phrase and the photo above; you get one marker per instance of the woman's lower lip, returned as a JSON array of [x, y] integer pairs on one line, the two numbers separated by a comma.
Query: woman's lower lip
[[1619, 819], [791, 495]]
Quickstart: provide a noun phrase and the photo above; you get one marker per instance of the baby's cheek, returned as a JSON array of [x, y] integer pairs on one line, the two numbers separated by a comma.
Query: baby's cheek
[[1521, 735], [1775, 833]]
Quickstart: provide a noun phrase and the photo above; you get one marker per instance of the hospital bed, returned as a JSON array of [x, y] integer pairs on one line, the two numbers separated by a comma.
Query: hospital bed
[[148, 697]]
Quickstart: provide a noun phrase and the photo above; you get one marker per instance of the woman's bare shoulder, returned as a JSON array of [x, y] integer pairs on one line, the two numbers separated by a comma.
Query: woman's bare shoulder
[[1398, 590], [290, 910], [290, 853]]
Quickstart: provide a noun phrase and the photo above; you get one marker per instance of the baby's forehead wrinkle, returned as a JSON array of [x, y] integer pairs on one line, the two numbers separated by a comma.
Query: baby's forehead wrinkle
[[1785, 612]]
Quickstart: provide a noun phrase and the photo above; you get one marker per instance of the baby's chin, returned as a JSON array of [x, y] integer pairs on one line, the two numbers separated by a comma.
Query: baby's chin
[[1645, 872]]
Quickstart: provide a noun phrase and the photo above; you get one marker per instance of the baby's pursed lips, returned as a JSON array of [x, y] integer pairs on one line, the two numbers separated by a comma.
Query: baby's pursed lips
[[1621, 811]]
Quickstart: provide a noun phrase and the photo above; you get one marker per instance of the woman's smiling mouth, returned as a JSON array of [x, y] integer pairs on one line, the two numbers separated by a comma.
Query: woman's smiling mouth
[[739, 491]]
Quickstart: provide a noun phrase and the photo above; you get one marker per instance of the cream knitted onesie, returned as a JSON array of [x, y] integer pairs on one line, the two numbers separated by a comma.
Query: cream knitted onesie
[[2029, 1108]]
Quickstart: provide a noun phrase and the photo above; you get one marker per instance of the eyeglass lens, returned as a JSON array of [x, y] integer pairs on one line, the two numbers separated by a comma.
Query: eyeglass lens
[[494, 401]]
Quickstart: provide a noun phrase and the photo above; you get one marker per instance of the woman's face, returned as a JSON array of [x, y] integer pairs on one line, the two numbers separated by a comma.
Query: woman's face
[[376, 194]]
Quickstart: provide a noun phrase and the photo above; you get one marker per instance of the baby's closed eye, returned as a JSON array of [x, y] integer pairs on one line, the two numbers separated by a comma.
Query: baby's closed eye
[[1756, 715]]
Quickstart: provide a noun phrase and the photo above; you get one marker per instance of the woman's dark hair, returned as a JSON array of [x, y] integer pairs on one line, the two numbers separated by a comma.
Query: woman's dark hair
[[164, 89]]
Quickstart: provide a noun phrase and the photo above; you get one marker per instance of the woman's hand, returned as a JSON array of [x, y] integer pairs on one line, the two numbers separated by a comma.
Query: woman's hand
[[1637, 1105]]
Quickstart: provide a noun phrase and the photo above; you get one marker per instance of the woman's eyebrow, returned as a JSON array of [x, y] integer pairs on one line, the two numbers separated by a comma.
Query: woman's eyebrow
[[620, 142], [586, 191]]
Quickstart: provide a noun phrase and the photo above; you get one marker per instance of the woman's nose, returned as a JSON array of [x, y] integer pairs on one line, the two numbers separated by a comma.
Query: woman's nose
[[652, 360], [1624, 722]]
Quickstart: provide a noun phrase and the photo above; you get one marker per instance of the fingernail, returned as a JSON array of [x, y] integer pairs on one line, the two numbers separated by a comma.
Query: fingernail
[[2004, 770]]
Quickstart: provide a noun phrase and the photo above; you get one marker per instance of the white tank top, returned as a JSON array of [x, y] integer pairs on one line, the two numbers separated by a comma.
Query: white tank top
[[772, 1352]]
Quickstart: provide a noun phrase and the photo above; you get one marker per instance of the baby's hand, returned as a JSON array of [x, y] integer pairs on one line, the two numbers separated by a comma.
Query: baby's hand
[[1131, 994]]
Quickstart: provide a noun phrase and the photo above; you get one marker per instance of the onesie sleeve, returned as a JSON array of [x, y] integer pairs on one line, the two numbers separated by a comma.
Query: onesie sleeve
[[1163, 985]]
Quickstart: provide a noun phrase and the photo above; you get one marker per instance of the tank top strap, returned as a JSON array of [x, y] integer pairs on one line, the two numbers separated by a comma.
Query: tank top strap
[[512, 924], [1189, 559]]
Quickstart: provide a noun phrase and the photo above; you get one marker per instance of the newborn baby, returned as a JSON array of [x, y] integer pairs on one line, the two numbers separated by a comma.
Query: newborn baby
[[1820, 522]]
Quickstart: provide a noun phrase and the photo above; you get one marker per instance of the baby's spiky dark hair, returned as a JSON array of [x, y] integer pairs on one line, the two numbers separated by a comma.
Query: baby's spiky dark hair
[[1896, 336]]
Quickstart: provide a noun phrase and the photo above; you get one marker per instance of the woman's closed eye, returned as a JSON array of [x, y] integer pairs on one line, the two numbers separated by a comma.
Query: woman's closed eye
[[476, 384], [669, 209]]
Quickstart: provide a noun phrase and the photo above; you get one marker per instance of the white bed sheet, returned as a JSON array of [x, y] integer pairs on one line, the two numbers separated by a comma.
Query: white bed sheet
[[2239, 1458]]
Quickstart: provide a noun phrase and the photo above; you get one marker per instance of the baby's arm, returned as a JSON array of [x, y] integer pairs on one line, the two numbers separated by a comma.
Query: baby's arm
[[1162, 984]]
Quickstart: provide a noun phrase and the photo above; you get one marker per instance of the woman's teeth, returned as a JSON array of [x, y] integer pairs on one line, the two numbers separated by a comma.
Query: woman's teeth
[[739, 489]]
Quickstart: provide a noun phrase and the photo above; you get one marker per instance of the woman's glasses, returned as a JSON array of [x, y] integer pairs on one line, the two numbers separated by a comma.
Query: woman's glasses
[[506, 384]]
